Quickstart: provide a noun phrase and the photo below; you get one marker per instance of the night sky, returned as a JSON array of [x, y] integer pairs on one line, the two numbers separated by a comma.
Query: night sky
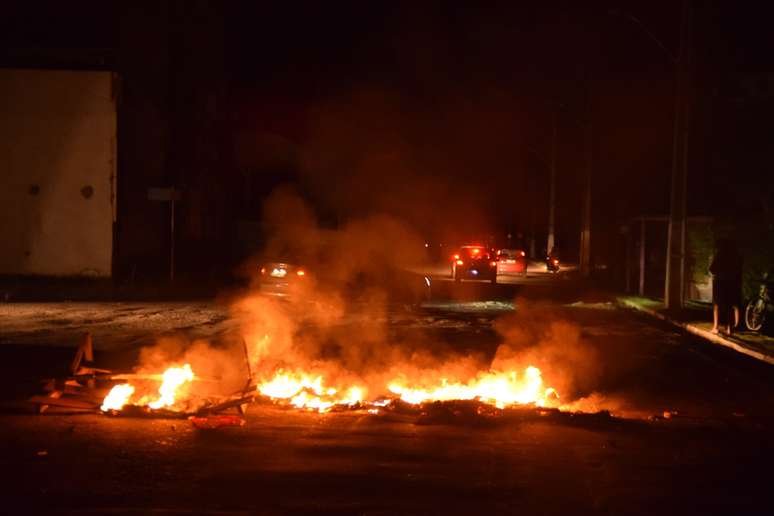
[[440, 112]]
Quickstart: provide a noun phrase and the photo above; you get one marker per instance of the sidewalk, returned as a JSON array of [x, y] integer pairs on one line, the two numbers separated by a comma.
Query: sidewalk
[[696, 318]]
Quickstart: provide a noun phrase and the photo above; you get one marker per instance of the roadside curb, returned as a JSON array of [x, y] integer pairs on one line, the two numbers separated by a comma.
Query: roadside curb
[[699, 332]]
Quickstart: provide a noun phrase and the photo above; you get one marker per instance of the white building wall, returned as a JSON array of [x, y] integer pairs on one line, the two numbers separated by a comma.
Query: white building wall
[[57, 172]]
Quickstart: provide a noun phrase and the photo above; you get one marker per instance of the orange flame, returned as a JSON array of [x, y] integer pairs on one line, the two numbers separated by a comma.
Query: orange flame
[[500, 389], [308, 392], [494, 388], [172, 379], [117, 397]]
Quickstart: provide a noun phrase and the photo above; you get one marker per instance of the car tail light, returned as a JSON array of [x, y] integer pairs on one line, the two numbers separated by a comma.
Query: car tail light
[[556, 262], [301, 272], [278, 272], [263, 270], [523, 253], [459, 262]]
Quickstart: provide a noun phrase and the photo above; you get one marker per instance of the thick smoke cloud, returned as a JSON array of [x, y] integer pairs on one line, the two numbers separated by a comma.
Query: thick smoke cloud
[[349, 339], [535, 335], [336, 323]]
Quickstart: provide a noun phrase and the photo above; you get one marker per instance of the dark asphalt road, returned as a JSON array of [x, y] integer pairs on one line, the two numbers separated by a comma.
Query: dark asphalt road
[[283, 462], [713, 457]]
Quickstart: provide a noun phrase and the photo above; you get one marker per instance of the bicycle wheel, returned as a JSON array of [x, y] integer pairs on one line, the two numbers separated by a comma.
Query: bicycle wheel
[[755, 314]]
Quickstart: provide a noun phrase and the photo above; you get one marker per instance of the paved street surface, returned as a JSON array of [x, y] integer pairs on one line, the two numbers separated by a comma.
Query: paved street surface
[[112, 324], [690, 430]]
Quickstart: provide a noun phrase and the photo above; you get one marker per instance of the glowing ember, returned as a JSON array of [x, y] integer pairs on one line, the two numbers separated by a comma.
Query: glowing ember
[[117, 397], [174, 377], [307, 401]]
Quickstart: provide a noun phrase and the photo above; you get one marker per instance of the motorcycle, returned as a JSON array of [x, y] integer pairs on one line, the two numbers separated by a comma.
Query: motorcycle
[[758, 308], [552, 264]]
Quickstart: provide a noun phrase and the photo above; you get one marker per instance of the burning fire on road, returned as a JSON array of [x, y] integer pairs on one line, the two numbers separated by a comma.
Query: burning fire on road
[[172, 381], [310, 392], [291, 370], [331, 346], [498, 389]]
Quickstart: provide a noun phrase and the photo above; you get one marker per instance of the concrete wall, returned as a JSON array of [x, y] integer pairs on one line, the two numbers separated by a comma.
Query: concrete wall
[[57, 172]]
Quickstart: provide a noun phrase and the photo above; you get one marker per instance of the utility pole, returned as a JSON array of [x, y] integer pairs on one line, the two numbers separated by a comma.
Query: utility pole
[[674, 284], [172, 239], [552, 187], [588, 133], [585, 242]]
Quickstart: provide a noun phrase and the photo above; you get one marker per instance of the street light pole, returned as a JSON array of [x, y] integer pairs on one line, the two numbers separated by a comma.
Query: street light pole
[[585, 243]]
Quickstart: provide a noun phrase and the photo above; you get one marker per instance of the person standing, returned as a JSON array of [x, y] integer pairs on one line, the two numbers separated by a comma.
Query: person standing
[[726, 270]]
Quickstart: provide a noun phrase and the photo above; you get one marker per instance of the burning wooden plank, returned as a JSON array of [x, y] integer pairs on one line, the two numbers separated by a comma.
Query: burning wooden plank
[[57, 401]]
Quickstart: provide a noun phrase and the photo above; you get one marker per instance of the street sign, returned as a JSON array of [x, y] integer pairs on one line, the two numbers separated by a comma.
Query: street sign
[[163, 194]]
